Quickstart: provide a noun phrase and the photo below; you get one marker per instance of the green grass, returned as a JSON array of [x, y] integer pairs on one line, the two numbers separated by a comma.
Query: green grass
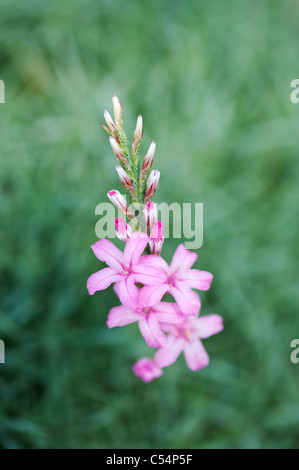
[[212, 81]]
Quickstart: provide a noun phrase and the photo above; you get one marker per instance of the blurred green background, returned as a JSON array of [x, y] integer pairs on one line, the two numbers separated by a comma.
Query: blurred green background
[[212, 81]]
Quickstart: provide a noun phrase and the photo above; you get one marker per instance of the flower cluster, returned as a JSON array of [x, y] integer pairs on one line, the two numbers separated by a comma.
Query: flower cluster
[[141, 277]]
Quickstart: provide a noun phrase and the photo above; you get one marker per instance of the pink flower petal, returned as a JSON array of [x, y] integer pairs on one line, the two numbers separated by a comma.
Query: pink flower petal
[[168, 307], [209, 325], [197, 279], [149, 296], [106, 251], [169, 353], [121, 316], [116, 287], [182, 259], [102, 279], [148, 275], [151, 331], [195, 354], [169, 312], [134, 248], [155, 261], [156, 329], [127, 292], [188, 301]]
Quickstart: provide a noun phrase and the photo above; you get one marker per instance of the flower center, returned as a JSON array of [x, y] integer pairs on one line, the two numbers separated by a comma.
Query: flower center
[[171, 279], [146, 310], [186, 333], [125, 271]]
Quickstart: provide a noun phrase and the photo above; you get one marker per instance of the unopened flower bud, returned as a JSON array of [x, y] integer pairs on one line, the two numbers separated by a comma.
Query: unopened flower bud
[[151, 185], [147, 370], [119, 202], [148, 160], [137, 136], [123, 231], [118, 151], [156, 238], [151, 215], [105, 128], [117, 108], [109, 121], [125, 180]]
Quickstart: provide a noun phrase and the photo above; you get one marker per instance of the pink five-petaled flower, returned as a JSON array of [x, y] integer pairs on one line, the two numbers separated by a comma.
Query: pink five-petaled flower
[[123, 266], [181, 279], [144, 307], [186, 337], [146, 369]]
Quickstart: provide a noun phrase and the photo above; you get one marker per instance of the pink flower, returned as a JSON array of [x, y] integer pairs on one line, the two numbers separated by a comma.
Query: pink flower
[[123, 266], [186, 337], [146, 369], [144, 307], [181, 279], [123, 231], [156, 238]]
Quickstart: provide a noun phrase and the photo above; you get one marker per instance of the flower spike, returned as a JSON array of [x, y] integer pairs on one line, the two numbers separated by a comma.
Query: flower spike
[[142, 280]]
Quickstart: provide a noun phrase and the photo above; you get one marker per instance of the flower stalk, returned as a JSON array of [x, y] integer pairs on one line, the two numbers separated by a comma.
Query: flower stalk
[[141, 277]]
